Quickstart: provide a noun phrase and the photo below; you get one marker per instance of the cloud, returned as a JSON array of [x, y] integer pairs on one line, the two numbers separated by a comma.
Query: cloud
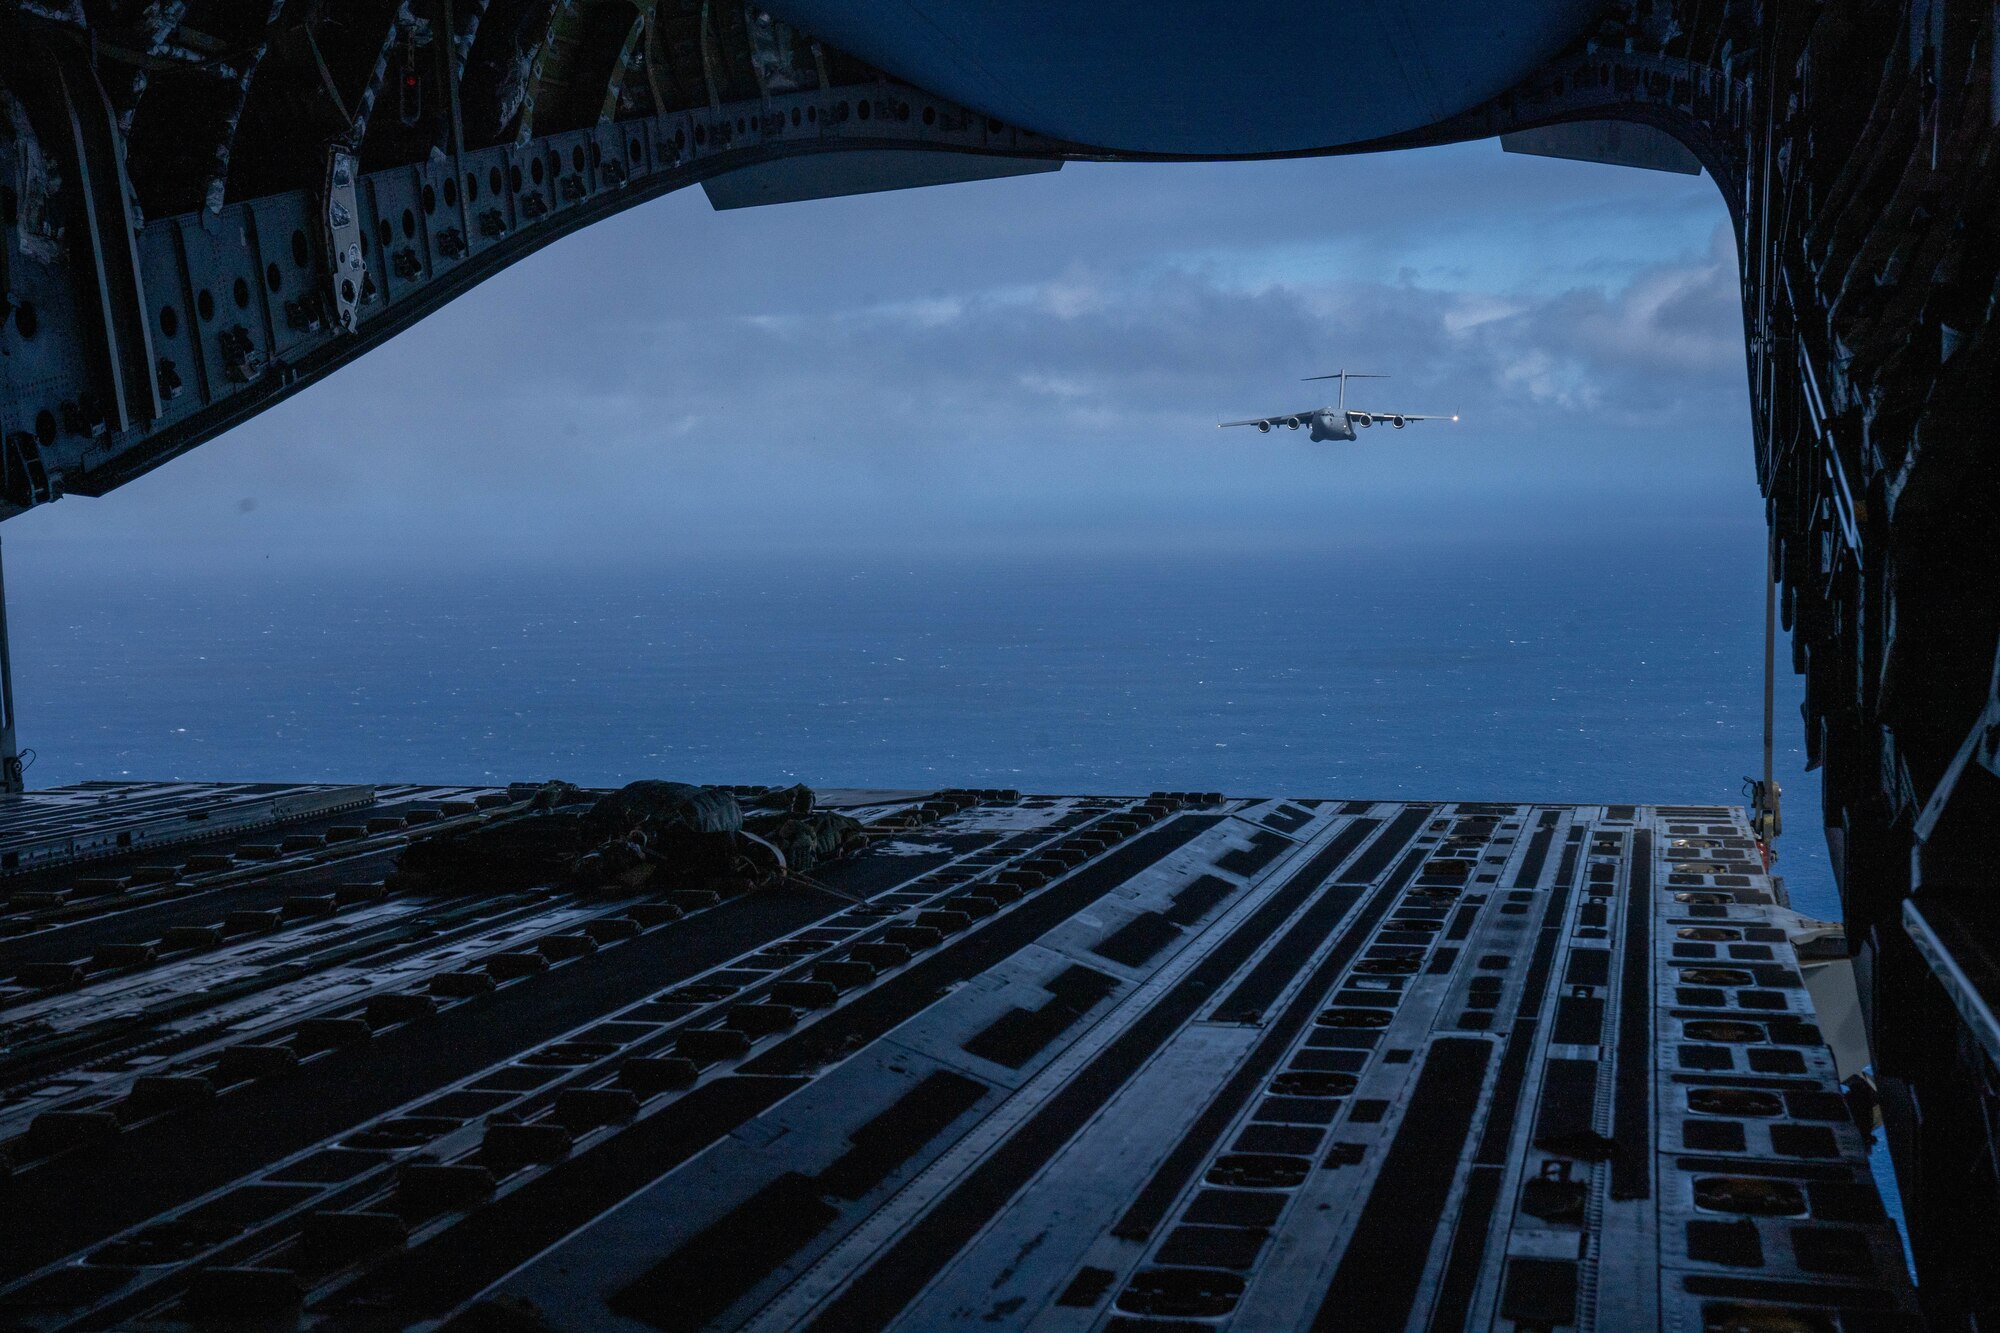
[[1038, 359], [1664, 343], [1109, 351], [1476, 308]]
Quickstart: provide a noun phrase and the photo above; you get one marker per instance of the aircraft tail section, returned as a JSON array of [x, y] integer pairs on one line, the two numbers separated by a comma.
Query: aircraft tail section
[[1344, 376]]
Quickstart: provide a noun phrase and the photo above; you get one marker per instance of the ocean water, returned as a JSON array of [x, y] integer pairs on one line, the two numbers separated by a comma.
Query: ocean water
[[1601, 671]]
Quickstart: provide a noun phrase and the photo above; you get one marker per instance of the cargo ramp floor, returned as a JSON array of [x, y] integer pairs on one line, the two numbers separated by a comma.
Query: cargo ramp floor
[[1151, 1065]]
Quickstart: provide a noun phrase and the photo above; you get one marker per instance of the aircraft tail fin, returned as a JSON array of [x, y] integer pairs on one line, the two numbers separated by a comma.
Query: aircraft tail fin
[[1344, 376]]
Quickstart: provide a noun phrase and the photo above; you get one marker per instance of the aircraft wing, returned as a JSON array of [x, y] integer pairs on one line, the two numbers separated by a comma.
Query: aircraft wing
[[1355, 414], [1281, 419]]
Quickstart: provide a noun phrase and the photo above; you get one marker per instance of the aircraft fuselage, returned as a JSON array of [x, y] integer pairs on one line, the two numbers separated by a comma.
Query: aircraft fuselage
[[1328, 424]]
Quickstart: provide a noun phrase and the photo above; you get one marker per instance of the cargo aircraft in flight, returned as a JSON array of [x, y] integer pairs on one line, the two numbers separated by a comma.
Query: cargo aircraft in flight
[[1339, 421]]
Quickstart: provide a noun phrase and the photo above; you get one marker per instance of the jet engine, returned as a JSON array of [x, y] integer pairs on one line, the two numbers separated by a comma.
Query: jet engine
[[1363, 419], [1398, 422], [1292, 423], [1263, 428]]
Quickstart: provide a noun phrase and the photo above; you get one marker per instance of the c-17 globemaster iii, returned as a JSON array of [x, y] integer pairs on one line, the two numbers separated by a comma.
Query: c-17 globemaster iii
[[1339, 421]]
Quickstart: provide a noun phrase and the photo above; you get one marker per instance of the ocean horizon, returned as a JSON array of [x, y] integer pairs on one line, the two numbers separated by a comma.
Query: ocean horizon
[[1596, 669]]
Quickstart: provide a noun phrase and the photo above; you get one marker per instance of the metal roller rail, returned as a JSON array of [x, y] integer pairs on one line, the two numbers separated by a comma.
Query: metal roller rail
[[698, 1005], [102, 822], [594, 1087], [100, 1048], [1075, 1062], [195, 1025], [149, 879]]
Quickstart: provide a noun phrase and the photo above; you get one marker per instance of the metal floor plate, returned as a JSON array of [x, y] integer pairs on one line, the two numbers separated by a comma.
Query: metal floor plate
[[1077, 1063]]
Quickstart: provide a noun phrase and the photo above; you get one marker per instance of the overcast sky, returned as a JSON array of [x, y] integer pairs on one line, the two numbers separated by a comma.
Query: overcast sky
[[1038, 359]]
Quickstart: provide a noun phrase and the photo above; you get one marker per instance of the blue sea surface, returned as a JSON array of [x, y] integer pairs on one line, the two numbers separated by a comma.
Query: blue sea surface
[[1541, 670]]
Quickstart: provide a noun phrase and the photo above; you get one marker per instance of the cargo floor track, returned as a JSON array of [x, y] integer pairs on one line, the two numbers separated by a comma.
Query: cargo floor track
[[1153, 1065]]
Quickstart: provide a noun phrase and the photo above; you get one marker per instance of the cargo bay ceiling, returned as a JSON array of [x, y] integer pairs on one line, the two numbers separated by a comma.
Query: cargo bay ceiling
[[209, 205], [206, 205]]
